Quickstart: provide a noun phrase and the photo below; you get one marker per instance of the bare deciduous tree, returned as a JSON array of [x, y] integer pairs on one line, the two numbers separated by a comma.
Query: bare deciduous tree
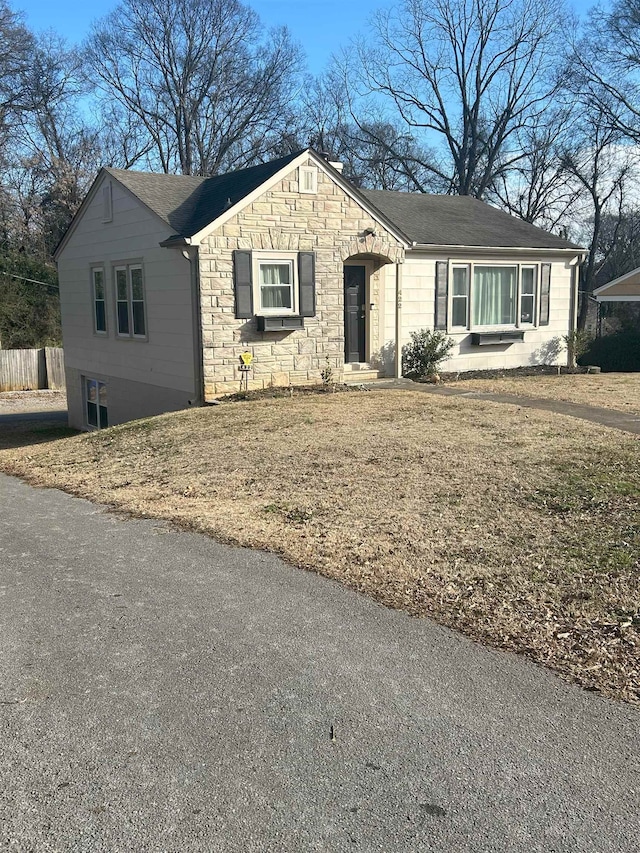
[[601, 167], [207, 83], [16, 46], [538, 188], [606, 65], [471, 74]]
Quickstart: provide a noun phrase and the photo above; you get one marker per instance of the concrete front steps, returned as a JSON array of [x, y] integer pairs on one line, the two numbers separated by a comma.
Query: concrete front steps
[[355, 374]]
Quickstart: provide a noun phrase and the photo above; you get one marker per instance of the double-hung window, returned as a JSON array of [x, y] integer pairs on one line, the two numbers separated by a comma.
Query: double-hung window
[[130, 308], [528, 288], [275, 285], [460, 296], [99, 300], [96, 397]]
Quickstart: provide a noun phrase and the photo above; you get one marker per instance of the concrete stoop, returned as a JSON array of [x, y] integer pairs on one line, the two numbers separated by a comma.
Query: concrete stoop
[[355, 374]]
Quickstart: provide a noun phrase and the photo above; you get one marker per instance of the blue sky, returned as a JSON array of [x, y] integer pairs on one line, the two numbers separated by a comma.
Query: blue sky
[[322, 27]]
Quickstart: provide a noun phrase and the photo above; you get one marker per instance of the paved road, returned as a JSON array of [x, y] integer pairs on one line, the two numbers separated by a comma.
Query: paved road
[[161, 692], [58, 416]]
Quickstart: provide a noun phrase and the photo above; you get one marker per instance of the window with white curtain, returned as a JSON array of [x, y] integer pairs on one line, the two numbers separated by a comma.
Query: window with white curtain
[[495, 296], [275, 285], [492, 295]]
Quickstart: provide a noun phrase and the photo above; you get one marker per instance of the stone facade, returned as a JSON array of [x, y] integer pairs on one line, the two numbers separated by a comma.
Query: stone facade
[[329, 223]]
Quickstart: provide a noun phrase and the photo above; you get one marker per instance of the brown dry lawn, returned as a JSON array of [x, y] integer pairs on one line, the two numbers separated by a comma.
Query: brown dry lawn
[[619, 391], [519, 528]]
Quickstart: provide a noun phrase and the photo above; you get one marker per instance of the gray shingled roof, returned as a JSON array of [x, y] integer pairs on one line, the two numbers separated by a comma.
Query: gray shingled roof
[[448, 220], [189, 203]]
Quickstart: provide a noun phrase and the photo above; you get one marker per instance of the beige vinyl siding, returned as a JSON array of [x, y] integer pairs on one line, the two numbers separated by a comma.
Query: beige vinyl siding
[[166, 358], [418, 312]]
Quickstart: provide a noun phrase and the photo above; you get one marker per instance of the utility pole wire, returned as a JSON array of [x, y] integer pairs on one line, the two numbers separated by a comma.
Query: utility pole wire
[[30, 280]]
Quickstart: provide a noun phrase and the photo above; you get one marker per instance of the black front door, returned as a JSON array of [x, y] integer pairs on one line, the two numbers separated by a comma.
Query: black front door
[[354, 313]]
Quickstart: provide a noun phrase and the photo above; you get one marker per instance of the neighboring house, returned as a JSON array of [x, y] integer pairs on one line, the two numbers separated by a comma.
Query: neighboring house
[[165, 280], [626, 288]]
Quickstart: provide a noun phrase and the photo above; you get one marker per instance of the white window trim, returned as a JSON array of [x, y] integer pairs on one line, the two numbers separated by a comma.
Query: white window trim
[[128, 267], [308, 170], [85, 395], [471, 327], [94, 269], [271, 258], [536, 295], [467, 268]]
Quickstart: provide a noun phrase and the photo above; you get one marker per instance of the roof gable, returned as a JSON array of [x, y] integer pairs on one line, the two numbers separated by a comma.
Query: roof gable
[[631, 279], [188, 203]]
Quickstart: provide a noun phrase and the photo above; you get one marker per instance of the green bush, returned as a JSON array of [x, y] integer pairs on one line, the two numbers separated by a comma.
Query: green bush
[[577, 343], [427, 349], [615, 353]]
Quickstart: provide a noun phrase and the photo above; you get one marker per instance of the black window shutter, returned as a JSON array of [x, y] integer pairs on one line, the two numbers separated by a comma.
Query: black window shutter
[[442, 281], [545, 287], [307, 281], [243, 284]]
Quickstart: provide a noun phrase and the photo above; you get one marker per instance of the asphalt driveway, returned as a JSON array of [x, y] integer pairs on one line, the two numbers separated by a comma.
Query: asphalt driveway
[[161, 692]]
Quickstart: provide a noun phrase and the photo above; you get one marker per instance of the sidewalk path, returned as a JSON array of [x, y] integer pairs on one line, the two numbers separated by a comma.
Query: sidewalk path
[[605, 417]]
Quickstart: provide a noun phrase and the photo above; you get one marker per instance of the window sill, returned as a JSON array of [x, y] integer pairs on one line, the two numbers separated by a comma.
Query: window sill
[[273, 323], [484, 339]]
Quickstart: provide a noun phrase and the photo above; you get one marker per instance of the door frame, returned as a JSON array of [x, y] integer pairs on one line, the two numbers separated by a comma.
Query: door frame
[[368, 265]]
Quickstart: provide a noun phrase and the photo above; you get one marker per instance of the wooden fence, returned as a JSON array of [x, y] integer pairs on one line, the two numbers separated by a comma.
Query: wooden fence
[[31, 369]]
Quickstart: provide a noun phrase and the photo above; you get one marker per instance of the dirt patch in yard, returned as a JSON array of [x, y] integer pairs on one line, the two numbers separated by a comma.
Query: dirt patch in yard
[[619, 391], [13, 402], [518, 527]]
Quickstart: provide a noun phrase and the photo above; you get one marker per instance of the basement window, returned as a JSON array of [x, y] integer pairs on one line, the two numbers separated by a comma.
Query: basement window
[[96, 396]]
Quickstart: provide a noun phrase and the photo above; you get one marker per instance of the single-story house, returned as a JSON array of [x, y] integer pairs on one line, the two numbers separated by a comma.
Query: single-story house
[[166, 280], [626, 288]]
